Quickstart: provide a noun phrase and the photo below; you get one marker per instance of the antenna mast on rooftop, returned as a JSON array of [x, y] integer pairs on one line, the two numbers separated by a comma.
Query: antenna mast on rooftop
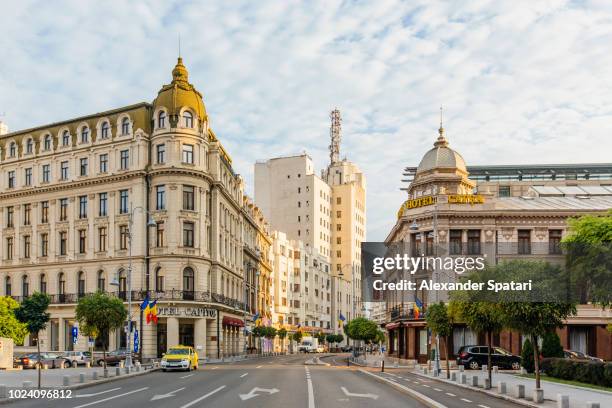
[[334, 132]]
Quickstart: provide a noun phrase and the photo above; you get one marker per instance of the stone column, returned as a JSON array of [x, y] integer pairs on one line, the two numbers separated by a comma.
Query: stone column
[[61, 331], [199, 334], [172, 327]]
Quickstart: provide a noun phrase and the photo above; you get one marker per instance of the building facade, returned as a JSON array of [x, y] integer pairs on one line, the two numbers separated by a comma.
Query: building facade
[[147, 188]]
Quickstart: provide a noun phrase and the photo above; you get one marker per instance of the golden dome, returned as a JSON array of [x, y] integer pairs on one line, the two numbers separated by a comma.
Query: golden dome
[[441, 156], [180, 93]]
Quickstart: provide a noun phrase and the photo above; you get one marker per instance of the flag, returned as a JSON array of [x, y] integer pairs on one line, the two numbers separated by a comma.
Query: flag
[[342, 317], [145, 304], [152, 314], [418, 305]]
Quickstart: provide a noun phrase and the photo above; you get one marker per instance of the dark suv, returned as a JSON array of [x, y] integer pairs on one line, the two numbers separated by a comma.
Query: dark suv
[[475, 357]]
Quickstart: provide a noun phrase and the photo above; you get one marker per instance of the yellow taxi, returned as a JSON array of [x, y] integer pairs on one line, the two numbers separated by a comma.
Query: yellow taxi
[[180, 358]]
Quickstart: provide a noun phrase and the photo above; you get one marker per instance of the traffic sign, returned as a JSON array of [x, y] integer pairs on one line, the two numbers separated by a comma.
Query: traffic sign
[[136, 341], [75, 334]]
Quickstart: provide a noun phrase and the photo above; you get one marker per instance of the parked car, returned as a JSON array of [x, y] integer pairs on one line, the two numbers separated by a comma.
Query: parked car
[[76, 358], [52, 360], [475, 357], [115, 357], [579, 355], [346, 349], [180, 358]]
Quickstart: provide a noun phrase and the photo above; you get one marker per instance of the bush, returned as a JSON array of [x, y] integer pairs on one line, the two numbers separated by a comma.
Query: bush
[[590, 372], [527, 357], [551, 345]]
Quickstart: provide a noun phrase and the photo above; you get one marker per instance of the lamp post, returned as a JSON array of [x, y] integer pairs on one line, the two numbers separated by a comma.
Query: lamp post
[[150, 222]]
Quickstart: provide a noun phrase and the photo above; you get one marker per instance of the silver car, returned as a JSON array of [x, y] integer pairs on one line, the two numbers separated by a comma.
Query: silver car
[[76, 358]]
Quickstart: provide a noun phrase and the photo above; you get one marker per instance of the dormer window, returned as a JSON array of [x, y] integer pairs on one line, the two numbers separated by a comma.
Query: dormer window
[[125, 126], [188, 119], [13, 149], [29, 146], [47, 142], [104, 130], [85, 135], [161, 120], [65, 138]]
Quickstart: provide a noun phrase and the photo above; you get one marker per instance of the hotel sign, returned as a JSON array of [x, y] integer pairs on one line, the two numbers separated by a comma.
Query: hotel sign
[[431, 200], [416, 203], [466, 199], [186, 312]]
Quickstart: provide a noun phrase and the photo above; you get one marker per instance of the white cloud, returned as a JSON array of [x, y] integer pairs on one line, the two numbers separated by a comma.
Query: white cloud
[[521, 82]]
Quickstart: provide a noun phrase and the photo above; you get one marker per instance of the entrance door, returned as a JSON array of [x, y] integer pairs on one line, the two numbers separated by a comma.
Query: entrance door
[[162, 339], [186, 335], [422, 346]]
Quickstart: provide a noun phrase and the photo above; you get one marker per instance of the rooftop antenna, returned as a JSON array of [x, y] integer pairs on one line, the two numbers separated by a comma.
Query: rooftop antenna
[[334, 132], [179, 44]]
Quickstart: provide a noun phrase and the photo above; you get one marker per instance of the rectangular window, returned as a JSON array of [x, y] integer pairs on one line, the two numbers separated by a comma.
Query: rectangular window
[[125, 159], [161, 153], [83, 166], [104, 163], [473, 242], [27, 211], [9, 248], [46, 173], [64, 170], [63, 209], [338, 227], [123, 237], [160, 198], [11, 179], [188, 198], [26, 246], [338, 200], [63, 243], [554, 242], [454, 242], [103, 204], [188, 229], [10, 213], [82, 207], [339, 214], [44, 212], [102, 239], [28, 176], [159, 234], [82, 241], [188, 154], [44, 244], [123, 201], [524, 242], [504, 191]]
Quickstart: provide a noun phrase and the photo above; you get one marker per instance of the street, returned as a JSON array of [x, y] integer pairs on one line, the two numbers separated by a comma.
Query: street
[[272, 382]]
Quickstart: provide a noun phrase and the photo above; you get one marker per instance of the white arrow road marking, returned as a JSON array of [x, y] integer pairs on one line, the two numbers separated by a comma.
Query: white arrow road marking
[[113, 397], [252, 393], [195, 401], [170, 394], [97, 393], [187, 376], [244, 375], [352, 394]]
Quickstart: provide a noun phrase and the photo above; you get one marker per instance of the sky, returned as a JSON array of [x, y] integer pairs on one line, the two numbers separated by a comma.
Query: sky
[[521, 82]]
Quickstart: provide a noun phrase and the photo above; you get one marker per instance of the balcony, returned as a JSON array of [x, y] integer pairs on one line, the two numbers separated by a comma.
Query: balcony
[[404, 312]]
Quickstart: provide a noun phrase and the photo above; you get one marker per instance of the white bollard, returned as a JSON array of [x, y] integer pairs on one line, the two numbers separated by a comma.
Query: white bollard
[[425, 371], [88, 365], [495, 369], [27, 384], [474, 381], [117, 371], [562, 401], [453, 376], [2, 391], [94, 375], [81, 378], [461, 368], [66, 380], [501, 387], [487, 383], [538, 395], [463, 379], [105, 373], [519, 391], [484, 368], [591, 404]]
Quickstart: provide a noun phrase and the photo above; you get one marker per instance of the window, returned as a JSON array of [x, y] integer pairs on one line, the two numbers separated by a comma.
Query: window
[[27, 211], [25, 286], [161, 120], [102, 239], [44, 244], [29, 146], [104, 163], [63, 209], [101, 281], [124, 159], [43, 283], [123, 237], [188, 228], [82, 207], [188, 154], [554, 242], [11, 179], [338, 227], [188, 283], [188, 119], [13, 149], [159, 234], [82, 241], [161, 153], [103, 204], [63, 243], [26, 246], [65, 138], [9, 216], [123, 201], [7, 286], [83, 166], [159, 280], [454, 242], [44, 212], [9, 248], [28, 176], [104, 130], [47, 143], [160, 197], [64, 170], [504, 191], [81, 284], [473, 243], [46, 173], [524, 242], [125, 126], [61, 284], [85, 135], [188, 198]]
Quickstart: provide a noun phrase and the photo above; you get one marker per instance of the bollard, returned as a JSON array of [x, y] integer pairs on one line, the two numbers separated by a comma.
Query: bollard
[[2, 391], [82, 378], [45, 366], [453, 376], [487, 384], [461, 368], [519, 392], [463, 379], [117, 371], [105, 373], [382, 367], [138, 368], [501, 387], [484, 368], [436, 373], [425, 371], [127, 370], [591, 404], [538, 395], [27, 384], [474, 381], [121, 364], [395, 365], [495, 369], [62, 365], [562, 401], [94, 375], [66, 380], [88, 365]]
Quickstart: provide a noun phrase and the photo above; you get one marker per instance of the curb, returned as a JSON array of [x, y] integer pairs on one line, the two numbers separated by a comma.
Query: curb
[[417, 395], [577, 387]]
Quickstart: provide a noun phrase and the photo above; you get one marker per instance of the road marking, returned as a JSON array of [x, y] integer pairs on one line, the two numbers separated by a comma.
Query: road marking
[[97, 393], [465, 400], [416, 382], [311, 403], [162, 396], [450, 394], [424, 385], [244, 375], [421, 397], [214, 368], [187, 376], [482, 406], [252, 393], [437, 389], [351, 394], [195, 401], [113, 397]]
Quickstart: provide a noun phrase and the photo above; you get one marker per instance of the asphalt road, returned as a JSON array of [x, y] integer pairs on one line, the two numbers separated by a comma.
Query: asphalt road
[[267, 382]]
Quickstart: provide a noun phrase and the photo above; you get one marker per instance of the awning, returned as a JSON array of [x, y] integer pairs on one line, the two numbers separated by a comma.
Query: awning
[[392, 326], [232, 321]]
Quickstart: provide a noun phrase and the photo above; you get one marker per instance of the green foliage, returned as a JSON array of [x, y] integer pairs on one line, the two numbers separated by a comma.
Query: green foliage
[[361, 328], [269, 332], [297, 336], [380, 337], [334, 338], [9, 325], [33, 312], [320, 336], [258, 331], [438, 319], [339, 338], [527, 356], [591, 372], [282, 333], [99, 313], [551, 345]]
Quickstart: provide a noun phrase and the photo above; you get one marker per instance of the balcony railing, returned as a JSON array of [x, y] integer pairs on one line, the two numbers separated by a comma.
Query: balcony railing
[[404, 312]]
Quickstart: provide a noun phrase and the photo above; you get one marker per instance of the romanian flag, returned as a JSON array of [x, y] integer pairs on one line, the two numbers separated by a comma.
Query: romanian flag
[[144, 306], [257, 319], [341, 320], [152, 312], [418, 306]]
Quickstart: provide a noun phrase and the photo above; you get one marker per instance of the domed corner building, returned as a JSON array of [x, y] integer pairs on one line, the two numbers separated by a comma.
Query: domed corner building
[[159, 165], [499, 213]]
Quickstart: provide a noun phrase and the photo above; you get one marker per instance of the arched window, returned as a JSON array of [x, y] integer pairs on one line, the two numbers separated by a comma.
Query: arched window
[[65, 138], [104, 130], [43, 283], [125, 126], [48, 142], [122, 285], [101, 281], [25, 286], [161, 120], [85, 135], [159, 280], [188, 283], [61, 287], [30, 146], [7, 286], [81, 284], [188, 118], [13, 149]]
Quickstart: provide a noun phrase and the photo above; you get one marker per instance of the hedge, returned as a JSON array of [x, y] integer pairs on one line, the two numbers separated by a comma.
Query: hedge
[[591, 372]]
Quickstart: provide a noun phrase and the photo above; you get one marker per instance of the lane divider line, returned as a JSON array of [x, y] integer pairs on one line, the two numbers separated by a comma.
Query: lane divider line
[[450, 394], [195, 401], [482, 406], [187, 376], [97, 393], [311, 403], [113, 397], [465, 400], [244, 375]]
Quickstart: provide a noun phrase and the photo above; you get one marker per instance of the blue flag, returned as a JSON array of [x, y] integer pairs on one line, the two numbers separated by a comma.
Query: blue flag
[[342, 317], [145, 303], [418, 303]]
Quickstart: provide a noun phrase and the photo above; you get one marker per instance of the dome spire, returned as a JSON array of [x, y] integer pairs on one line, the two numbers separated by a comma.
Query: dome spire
[[179, 73], [441, 141]]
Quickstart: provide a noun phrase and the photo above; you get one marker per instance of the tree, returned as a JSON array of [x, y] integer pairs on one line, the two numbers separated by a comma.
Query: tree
[[282, 334], [363, 329], [551, 345], [9, 325], [527, 356], [339, 338], [33, 312], [99, 314], [321, 337], [440, 322], [297, 336]]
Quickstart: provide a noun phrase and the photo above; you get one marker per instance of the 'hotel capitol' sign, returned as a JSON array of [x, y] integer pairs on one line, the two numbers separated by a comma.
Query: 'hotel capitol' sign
[[431, 200], [186, 312]]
